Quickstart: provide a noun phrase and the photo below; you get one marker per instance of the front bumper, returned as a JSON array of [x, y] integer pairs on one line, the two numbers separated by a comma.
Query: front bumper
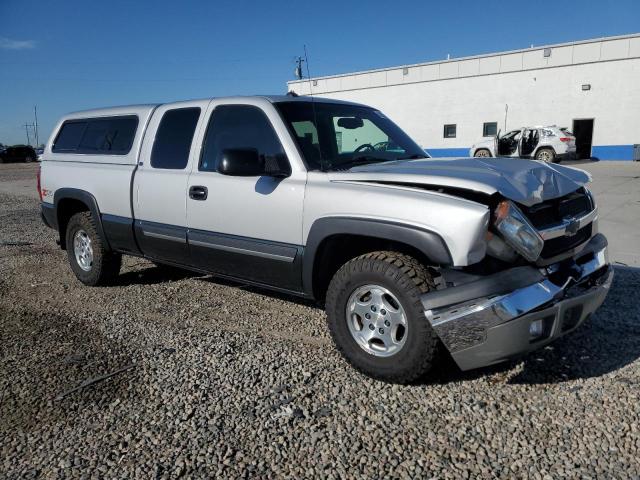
[[484, 330]]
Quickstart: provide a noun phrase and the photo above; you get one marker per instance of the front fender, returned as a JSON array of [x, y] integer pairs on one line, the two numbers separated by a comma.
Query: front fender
[[427, 242]]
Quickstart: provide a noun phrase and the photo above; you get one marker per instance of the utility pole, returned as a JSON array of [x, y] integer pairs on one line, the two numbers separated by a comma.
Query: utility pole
[[298, 70], [26, 129], [35, 114]]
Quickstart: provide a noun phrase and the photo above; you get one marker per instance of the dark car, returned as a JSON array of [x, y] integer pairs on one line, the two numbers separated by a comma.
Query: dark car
[[18, 153]]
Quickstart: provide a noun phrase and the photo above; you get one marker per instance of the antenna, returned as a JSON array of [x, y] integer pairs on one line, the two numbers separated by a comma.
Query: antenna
[[313, 106]]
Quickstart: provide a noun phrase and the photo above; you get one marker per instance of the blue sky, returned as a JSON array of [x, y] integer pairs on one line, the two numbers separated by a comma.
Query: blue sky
[[70, 55]]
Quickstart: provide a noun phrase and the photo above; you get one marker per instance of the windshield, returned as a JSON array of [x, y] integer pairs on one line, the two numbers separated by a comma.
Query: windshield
[[341, 136]]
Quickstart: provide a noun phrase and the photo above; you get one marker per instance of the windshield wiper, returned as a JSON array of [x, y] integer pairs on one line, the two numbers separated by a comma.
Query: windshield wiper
[[415, 156]]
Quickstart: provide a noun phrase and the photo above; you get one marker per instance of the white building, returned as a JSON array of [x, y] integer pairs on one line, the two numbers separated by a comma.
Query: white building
[[592, 87]]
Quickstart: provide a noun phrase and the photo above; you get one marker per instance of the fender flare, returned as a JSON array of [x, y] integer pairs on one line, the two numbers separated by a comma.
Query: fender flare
[[86, 198], [429, 243]]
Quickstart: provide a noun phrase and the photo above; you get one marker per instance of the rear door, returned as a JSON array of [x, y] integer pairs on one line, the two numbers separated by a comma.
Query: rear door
[[247, 227], [160, 182]]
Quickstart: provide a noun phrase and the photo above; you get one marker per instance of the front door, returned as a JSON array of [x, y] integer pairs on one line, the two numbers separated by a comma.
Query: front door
[[247, 227], [160, 183]]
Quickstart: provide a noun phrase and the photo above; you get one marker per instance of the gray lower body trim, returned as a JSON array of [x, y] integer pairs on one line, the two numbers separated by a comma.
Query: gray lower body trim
[[163, 236], [163, 232], [244, 246]]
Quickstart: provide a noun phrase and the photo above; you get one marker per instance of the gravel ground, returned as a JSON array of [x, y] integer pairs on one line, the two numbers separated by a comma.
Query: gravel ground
[[222, 379]]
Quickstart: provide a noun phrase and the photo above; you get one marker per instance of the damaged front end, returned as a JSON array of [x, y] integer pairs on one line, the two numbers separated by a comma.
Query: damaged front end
[[553, 273]]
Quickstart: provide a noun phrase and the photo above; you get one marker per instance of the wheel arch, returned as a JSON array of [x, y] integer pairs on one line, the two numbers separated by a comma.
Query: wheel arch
[[335, 240], [476, 150], [544, 147], [68, 202]]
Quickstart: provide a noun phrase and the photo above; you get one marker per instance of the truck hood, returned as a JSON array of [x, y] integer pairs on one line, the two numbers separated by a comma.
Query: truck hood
[[524, 181]]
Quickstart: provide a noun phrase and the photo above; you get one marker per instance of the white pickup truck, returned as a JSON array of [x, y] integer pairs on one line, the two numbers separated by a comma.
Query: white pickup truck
[[330, 200]]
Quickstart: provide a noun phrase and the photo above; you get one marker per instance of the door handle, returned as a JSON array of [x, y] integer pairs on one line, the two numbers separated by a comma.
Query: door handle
[[198, 192]]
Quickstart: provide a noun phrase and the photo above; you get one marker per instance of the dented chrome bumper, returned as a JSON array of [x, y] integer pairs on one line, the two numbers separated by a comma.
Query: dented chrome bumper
[[494, 327]]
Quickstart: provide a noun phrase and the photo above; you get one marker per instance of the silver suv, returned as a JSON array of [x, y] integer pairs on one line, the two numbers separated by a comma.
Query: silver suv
[[332, 201], [548, 144]]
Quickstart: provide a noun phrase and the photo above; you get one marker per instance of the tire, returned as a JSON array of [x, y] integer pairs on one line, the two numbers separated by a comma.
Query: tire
[[546, 155], [482, 153], [405, 279], [100, 267]]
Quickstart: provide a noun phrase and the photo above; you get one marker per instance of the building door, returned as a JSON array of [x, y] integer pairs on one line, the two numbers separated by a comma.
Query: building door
[[583, 131]]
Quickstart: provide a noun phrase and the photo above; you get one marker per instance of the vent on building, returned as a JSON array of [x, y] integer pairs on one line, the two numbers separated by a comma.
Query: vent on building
[[586, 86], [547, 52], [315, 83], [405, 71]]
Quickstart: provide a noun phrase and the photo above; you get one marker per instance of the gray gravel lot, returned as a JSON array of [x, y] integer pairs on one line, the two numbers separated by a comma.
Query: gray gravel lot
[[232, 381]]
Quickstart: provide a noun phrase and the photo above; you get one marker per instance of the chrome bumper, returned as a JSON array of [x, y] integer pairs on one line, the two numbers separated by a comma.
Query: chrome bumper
[[488, 330]]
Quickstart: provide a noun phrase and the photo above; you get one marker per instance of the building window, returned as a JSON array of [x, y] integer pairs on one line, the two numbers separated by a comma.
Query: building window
[[450, 131], [489, 129]]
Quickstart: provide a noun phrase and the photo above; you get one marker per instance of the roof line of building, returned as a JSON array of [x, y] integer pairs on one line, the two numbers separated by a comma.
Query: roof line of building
[[472, 57]]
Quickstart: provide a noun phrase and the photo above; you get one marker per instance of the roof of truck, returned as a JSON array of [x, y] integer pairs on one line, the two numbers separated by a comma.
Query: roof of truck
[[134, 109]]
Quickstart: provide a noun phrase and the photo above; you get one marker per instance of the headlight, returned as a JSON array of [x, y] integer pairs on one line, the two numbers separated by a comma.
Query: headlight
[[517, 231]]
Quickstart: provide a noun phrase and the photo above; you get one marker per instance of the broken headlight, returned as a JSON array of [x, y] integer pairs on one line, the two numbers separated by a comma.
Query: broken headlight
[[517, 231]]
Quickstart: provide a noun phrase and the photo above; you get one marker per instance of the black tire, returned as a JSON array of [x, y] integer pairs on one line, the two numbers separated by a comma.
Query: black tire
[[547, 155], [482, 153], [407, 279], [105, 266]]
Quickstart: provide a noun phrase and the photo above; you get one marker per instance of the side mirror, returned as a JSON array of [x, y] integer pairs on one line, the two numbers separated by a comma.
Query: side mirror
[[241, 162], [247, 162]]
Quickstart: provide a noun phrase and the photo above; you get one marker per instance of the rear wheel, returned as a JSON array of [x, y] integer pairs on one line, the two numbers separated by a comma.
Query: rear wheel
[[376, 319], [546, 155], [483, 153], [90, 261]]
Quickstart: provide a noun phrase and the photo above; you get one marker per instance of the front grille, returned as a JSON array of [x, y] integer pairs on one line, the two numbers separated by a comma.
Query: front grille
[[558, 245], [552, 212]]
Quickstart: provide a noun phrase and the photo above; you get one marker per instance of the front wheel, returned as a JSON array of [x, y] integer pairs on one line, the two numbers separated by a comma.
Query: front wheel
[[90, 260], [376, 319]]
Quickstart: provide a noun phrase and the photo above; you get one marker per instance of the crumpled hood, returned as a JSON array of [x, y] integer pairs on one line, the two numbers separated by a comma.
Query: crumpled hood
[[524, 181]]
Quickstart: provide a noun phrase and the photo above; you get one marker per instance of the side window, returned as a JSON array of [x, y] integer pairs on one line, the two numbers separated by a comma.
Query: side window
[[238, 126], [69, 137], [173, 138], [109, 135], [101, 136], [308, 140]]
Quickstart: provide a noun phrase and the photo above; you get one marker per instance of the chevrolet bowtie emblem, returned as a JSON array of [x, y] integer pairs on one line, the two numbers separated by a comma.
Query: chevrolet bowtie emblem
[[572, 227]]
